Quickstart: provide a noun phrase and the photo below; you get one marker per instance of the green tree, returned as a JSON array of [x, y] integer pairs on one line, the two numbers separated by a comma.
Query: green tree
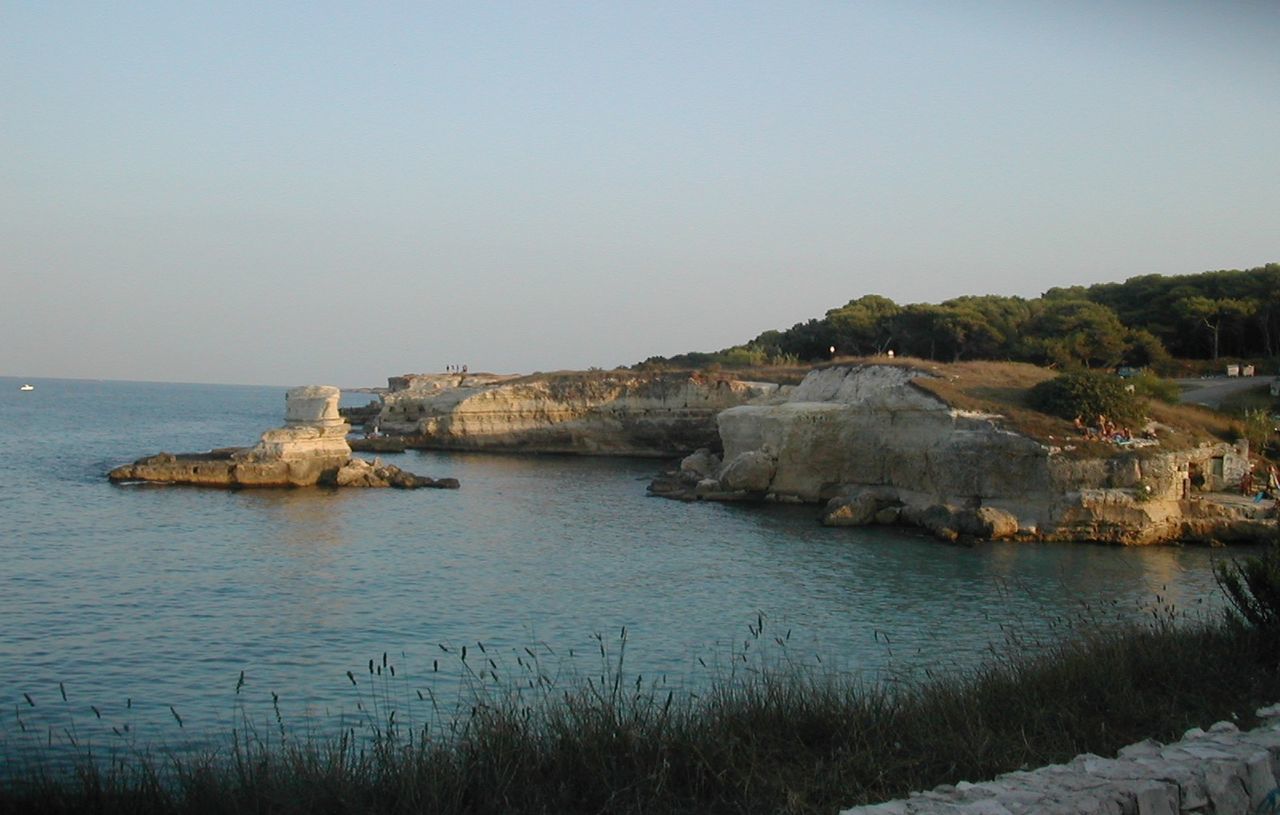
[[808, 341], [1214, 314], [1079, 332], [917, 328], [1086, 394], [1144, 349], [863, 326]]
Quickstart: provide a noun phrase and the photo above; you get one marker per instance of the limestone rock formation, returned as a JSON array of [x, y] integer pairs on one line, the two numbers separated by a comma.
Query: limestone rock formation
[[881, 450], [310, 449], [627, 413]]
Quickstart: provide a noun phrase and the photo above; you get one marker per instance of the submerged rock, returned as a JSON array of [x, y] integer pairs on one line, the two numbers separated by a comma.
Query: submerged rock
[[310, 449]]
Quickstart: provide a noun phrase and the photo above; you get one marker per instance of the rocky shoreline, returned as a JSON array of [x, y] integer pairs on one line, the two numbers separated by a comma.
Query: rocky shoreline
[[873, 448]]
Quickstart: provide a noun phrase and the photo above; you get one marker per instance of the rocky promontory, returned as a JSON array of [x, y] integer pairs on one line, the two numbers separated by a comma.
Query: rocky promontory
[[623, 413], [878, 448], [310, 449]]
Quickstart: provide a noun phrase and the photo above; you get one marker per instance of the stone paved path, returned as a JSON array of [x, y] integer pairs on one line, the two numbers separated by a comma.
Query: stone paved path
[[1224, 771]]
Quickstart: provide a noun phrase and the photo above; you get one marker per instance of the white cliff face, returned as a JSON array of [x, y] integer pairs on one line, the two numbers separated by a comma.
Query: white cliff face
[[878, 447], [869, 387], [868, 425], [313, 430], [620, 413]]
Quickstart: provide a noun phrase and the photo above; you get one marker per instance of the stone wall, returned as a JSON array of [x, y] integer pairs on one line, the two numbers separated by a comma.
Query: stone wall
[[1223, 771]]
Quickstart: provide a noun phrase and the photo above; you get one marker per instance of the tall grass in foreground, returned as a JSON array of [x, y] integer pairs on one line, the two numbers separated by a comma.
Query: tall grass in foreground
[[775, 738]]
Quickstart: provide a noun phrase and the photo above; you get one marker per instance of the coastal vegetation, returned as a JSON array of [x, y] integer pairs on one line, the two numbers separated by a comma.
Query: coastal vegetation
[[1082, 395], [1171, 323], [770, 735]]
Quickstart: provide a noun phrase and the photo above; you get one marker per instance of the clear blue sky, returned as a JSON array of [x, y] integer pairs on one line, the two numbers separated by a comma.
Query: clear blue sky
[[285, 193]]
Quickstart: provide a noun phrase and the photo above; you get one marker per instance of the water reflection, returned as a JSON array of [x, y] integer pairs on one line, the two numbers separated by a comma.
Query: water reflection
[[306, 521], [165, 595]]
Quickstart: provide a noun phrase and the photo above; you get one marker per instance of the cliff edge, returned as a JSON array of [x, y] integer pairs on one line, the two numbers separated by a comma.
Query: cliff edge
[[621, 413]]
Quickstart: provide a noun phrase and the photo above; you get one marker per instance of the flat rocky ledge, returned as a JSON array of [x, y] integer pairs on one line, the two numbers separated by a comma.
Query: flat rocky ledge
[[235, 468], [1224, 771]]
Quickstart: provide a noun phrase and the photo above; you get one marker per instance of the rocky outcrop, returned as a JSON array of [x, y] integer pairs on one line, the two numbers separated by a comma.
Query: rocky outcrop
[[310, 449], [878, 449], [1224, 770], [360, 473], [593, 413]]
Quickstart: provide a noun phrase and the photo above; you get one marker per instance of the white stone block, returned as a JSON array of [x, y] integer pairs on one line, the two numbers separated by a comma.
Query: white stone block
[[887, 808], [1157, 799], [1144, 748], [987, 806], [1260, 781], [1225, 785], [315, 405]]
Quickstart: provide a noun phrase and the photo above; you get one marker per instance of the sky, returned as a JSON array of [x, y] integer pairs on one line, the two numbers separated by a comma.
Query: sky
[[288, 193]]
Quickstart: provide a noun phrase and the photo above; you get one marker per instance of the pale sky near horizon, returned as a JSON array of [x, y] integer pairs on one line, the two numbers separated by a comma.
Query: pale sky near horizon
[[287, 193]]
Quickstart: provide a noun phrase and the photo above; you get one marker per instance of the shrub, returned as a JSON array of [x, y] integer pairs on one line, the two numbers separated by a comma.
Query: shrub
[[1152, 386], [1087, 394], [1257, 429], [741, 356], [1253, 587]]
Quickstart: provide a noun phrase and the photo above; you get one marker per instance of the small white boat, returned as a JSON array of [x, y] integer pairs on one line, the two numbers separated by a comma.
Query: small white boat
[[27, 388]]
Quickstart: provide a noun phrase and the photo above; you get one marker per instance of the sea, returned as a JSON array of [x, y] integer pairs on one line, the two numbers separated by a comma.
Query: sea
[[163, 617]]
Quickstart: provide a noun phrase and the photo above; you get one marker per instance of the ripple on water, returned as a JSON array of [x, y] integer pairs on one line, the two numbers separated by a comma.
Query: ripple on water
[[163, 596]]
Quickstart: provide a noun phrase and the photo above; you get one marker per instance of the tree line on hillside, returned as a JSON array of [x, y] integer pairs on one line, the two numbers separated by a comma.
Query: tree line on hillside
[[1144, 321]]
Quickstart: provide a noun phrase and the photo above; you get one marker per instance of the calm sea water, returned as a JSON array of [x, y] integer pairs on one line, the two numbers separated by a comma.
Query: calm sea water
[[147, 603]]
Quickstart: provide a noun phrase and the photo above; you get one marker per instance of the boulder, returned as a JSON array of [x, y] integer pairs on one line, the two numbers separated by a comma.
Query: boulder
[[855, 510], [986, 523], [940, 519], [751, 471], [700, 464], [360, 473], [888, 516]]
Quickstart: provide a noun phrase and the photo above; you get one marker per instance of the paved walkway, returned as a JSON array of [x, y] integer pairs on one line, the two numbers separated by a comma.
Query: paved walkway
[[1213, 391], [1224, 771]]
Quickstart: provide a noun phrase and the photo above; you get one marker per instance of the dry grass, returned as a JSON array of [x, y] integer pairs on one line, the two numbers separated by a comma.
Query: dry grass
[[1193, 424], [1000, 388], [782, 375], [774, 738]]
